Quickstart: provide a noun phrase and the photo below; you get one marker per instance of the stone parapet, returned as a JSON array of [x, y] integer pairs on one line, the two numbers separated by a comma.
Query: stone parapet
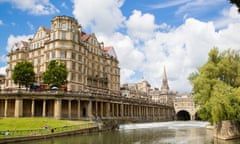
[[228, 129]]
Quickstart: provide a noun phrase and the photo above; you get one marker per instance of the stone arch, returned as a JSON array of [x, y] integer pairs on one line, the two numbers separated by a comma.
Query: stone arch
[[183, 115]]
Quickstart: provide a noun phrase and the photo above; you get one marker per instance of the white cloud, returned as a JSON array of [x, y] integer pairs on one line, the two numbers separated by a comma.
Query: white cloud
[[13, 24], [13, 39], [229, 16], [141, 26], [64, 5], [30, 25], [3, 58], [180, 50], [99, 15], [35, 7], [1, 22], [168, 4], [3, 70], [198, 6]]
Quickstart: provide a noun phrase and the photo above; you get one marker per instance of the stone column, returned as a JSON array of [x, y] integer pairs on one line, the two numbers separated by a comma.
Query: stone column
[[44, 108], [5, 108], [122, 110], [108, 109], [58, 109], [78, 109], [33, 107], [69, 109], [89, 114], [18, 108], [96, 108], [101, 105], [117, 109]]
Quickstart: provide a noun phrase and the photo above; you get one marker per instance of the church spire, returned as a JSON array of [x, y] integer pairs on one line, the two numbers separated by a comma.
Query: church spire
[[165, 86]]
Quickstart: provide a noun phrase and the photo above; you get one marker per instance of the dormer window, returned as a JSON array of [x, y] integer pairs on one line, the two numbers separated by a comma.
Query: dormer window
[[64, 26]]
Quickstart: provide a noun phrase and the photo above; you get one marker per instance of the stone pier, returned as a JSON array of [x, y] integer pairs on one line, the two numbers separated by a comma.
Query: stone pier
[[228, 129]]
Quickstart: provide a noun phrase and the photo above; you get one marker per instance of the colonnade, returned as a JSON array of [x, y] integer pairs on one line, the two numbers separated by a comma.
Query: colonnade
[[82, 108]]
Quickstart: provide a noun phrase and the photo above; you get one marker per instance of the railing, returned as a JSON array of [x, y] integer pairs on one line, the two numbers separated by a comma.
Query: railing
[[45, 130]]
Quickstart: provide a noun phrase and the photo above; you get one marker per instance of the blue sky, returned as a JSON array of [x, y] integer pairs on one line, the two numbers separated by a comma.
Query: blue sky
[[147, 35]]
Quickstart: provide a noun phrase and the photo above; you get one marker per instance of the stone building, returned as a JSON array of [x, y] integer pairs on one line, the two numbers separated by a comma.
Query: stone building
[[165, 95], [2, 81], [136, 90], [143, 90], [91, 66]]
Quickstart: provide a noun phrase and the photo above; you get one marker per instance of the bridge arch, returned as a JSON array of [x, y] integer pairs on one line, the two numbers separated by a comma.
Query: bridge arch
[[183, 115]]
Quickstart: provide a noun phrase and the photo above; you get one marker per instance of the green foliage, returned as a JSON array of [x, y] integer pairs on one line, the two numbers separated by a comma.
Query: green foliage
[[216, 88], [23, 74], [193, 76], [56, 74]]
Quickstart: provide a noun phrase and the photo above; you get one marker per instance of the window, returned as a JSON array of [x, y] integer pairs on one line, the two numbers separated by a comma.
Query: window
[[39, 61], [73, 77], [73, 65], [53, 54], [39, 53], [79, 78], [54, 35], [47, 56], [64, 26], [63, 44], [63, 35], [32, 54], [73, 28], [63, 54], [73, 55], [79, 58], [80, 68]]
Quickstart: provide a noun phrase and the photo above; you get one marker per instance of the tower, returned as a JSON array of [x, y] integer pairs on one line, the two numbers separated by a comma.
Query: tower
[[164, 87]]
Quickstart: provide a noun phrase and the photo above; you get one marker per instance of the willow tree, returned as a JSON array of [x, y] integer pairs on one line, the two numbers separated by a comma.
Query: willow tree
[[216, 86]]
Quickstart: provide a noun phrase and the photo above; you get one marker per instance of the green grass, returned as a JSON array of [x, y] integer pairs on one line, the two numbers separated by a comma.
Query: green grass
[[35, 123]]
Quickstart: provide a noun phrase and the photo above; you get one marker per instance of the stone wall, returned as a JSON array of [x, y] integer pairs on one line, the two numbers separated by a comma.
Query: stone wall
[[228, 129]]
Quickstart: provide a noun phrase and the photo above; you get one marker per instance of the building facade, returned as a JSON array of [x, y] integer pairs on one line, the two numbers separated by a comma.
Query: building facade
[[144, 91], [91, 66]]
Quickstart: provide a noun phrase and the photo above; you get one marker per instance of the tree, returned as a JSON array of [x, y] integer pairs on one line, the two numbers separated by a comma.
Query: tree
[[216, 86], [56, 74], [23, 74]]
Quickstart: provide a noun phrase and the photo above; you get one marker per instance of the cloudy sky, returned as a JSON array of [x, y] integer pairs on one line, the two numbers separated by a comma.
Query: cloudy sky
[[147, 35]]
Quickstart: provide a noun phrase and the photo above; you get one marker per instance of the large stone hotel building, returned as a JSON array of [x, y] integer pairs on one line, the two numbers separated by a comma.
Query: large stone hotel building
[[91, 66]]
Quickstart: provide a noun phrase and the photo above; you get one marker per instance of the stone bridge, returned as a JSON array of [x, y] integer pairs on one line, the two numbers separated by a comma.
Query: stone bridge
[[184, 107]]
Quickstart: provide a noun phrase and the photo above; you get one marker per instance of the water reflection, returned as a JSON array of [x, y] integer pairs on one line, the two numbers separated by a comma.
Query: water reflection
[[150, 133]]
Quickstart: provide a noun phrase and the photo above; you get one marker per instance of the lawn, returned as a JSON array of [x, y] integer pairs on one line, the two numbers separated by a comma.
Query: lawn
[[35, 123]]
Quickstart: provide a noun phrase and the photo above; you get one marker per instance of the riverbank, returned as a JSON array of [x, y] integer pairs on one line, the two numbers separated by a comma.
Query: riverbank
[[24, 129]]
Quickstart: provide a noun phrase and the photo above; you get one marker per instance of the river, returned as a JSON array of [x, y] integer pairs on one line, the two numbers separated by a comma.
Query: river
[[175, 132]]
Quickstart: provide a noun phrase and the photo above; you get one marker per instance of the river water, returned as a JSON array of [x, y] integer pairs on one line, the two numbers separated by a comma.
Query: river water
[[175, 132]]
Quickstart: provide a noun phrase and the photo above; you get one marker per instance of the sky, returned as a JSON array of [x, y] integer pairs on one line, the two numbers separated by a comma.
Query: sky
[[146, 35]]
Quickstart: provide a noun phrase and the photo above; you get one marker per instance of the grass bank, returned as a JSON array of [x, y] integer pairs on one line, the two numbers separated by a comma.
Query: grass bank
[[35, 123]]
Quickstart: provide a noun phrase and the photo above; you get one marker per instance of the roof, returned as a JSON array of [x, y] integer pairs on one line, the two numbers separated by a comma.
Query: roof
[[110, 50], [85, 36], [46, 30], [24, 43]]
